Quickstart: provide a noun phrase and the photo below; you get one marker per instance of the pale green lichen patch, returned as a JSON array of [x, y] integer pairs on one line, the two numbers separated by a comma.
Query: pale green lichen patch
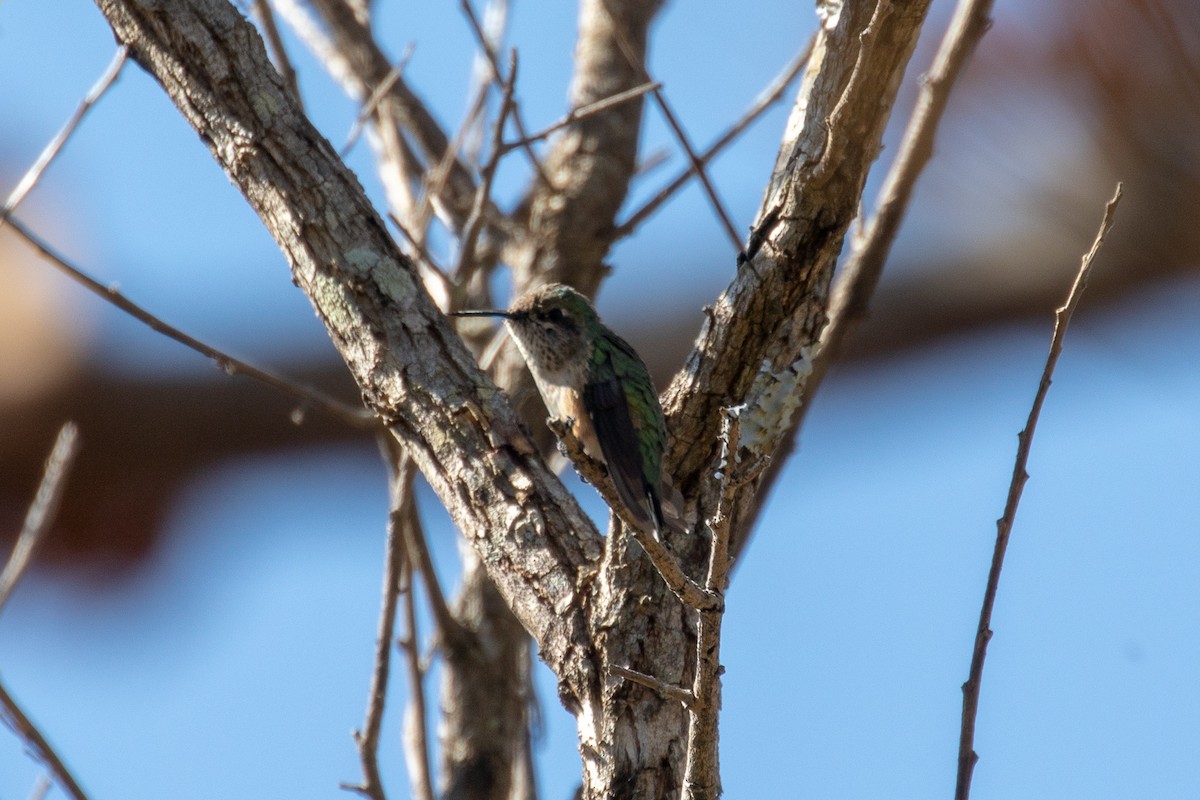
[[393, 280], [363, 260], [265, 104], [331, 298], [771, 402]]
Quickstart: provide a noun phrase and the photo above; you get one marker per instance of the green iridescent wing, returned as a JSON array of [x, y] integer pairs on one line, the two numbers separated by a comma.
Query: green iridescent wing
[[618, 388]]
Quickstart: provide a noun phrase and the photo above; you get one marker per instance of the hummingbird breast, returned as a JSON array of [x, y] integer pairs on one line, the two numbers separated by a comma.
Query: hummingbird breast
[[564, 401]]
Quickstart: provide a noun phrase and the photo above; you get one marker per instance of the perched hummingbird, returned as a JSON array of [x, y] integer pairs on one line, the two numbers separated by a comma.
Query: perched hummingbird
[[588, 374]]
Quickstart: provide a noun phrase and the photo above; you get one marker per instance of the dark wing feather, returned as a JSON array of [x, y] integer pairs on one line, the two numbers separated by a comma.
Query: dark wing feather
[[622, 450]]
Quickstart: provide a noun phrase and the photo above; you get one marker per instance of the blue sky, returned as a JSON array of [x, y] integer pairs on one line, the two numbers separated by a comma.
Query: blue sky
[[236, 663]]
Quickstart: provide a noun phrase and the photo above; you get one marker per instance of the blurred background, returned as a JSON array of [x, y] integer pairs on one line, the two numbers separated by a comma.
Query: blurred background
[[201, 622]]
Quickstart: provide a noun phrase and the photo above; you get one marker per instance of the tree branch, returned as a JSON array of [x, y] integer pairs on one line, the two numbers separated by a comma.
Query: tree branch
[[416, 716], [859, 275], [51, 151], [307, 395], [37, 522], [983, 633], [413, 369], [772, 312], [767, 98], [21, 725], [590, 163], [702, 774], [400, 477], [42, 510]]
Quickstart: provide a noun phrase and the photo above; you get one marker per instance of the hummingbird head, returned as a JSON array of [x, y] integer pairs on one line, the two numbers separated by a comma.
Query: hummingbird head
[[553, 324]]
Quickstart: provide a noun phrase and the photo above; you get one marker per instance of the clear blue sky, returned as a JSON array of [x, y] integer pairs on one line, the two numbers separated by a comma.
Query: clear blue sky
[[237, 663]]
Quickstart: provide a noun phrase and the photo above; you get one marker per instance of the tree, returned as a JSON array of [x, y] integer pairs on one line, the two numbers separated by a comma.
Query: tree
[[621, 643]]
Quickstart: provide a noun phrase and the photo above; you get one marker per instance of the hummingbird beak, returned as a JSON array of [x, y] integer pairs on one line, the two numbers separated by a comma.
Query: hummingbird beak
[[487, 313]]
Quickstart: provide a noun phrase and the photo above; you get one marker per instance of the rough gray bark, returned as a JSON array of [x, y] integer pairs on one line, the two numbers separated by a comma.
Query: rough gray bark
[[773, 311], [562, 230], [413, 369], [589, 603]]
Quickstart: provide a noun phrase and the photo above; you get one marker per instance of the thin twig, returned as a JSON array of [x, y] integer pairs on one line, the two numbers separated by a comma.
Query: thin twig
[[422, 563], [51, 151], [41, 788], [416, 714], [1062, 318], [23, 727], [42, 510], [584, 111], [355, 417], [432, 274], [631, 53], [38, 520], [377, 94], [494, 25], [435, 179], [400, 477], [698, 167], [343, 43], [688, 591], [498, 75], [650, 682], [767, 98], [474, 225], [266, 19], [702, 774]]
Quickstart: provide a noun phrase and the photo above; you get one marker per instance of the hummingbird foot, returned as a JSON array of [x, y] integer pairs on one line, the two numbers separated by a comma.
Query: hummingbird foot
[[571, 448]]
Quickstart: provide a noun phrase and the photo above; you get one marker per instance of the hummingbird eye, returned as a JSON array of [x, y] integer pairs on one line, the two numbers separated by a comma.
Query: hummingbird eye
[[555, 315]]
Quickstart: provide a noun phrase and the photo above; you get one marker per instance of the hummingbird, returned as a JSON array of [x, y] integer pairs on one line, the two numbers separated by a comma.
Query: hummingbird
[[589, 375]]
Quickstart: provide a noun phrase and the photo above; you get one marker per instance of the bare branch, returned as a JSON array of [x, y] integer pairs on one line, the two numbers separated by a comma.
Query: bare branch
[[37, 523], [352, 56], [416, 715], [467, 257], [42, 510], [372, 102], [1062, 319], [576, 114], [21, 725], [493, 59], [51, 151], [858, 277], [571, 220], [755, 346], [400, 477], [307, 395], [681, 136], [767, 98], [702, 774], [422, 563]]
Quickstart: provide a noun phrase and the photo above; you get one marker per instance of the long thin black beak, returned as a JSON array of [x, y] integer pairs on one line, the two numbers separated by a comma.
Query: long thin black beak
[[489, 313]]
